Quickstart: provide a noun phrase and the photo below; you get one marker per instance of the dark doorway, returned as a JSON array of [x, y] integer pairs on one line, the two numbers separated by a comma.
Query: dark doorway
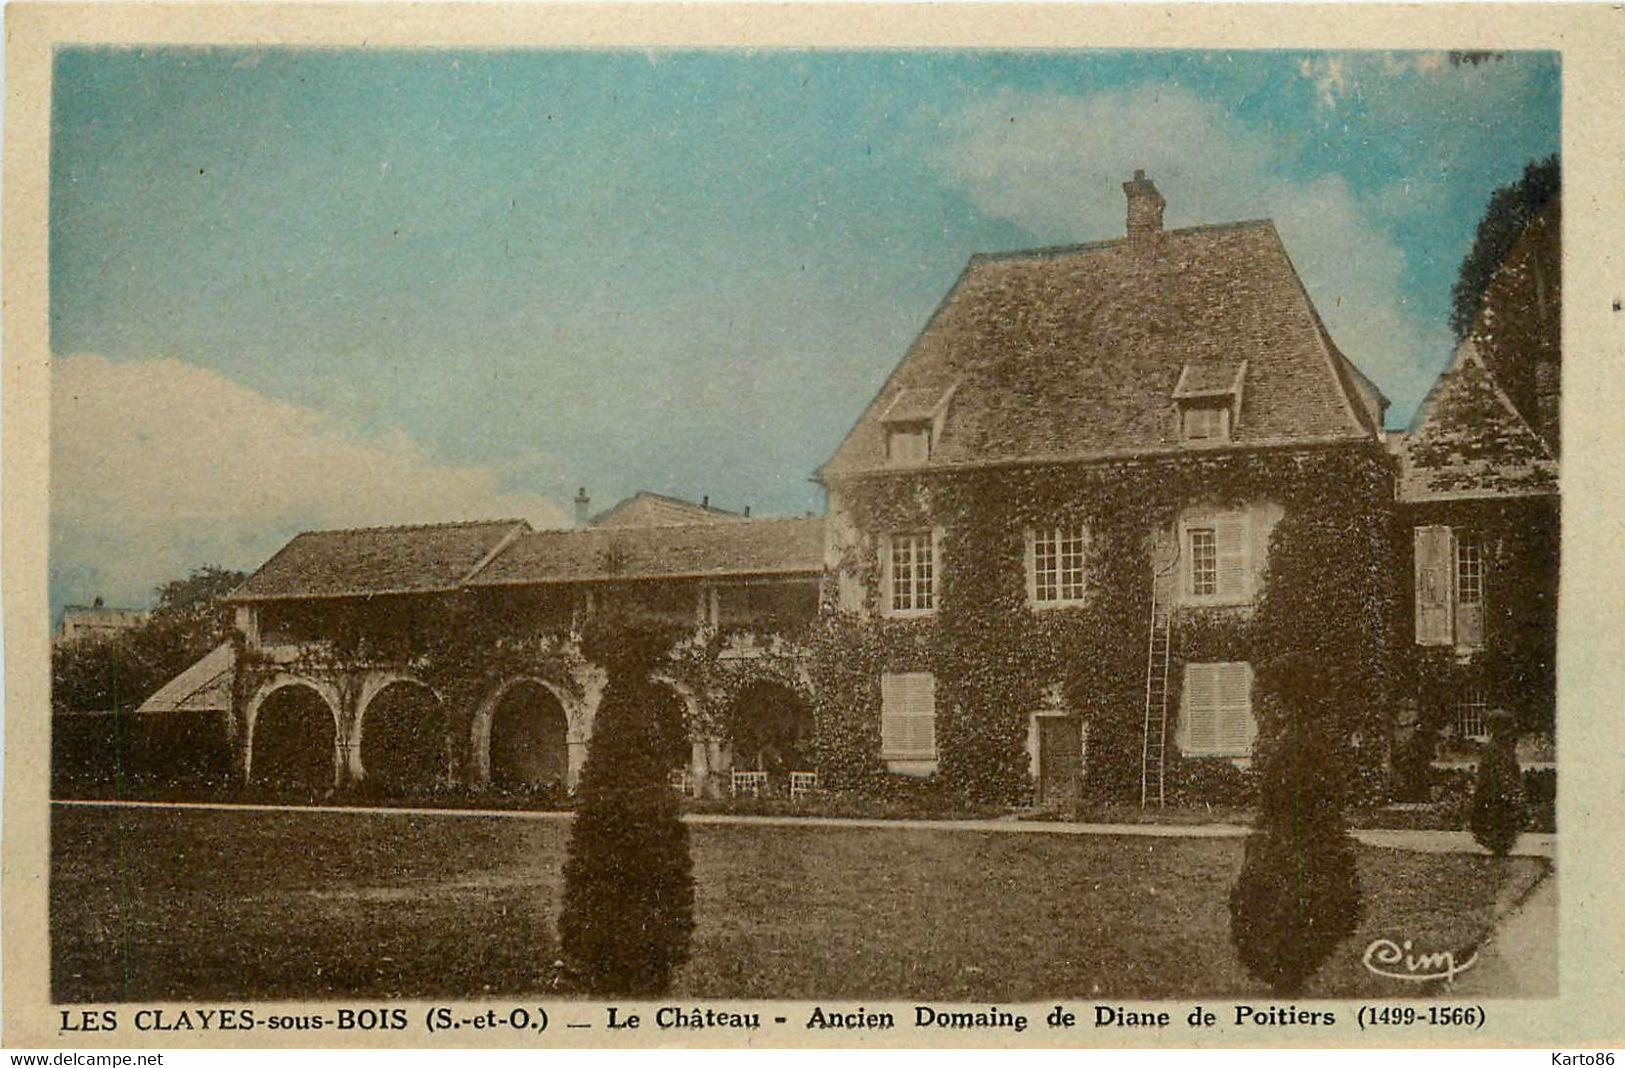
[[1060, 760], [528, 738], [293, 743]]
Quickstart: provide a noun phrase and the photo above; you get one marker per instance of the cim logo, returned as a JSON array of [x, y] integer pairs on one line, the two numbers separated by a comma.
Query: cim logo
[[1398, 961]]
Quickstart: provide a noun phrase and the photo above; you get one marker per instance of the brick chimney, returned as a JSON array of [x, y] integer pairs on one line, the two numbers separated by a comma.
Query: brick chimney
[[583, 503], [1144, 206]]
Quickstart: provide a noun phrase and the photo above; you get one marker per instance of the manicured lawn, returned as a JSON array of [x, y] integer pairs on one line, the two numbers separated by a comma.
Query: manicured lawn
[[151, 905]]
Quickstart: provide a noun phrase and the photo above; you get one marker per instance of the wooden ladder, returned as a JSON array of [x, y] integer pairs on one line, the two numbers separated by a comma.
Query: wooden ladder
[[1154, 743]]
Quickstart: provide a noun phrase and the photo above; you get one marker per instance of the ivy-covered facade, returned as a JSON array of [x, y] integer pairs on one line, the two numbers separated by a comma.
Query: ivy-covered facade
[[1120, 508]]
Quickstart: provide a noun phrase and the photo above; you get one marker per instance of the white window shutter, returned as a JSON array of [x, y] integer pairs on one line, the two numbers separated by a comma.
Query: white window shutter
[[1230, 536], [1032, 565], [1198, 705], [1235, 725], [1435, 580], [1217, 708], [885, 601], [936, 570], [908, 716]]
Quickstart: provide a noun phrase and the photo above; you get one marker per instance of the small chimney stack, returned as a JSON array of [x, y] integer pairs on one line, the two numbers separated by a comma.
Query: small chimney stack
[[583, 503], [1145, 206]]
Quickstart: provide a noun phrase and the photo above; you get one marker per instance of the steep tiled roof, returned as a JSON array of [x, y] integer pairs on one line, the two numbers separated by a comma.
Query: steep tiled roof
[[350, 563], [645, 509], [746, 547], [1469, 441], [1075, 352]]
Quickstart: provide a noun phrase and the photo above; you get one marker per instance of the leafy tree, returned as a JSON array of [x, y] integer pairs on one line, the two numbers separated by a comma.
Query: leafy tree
[[1509, 297], [1496, 816], [1511, 209], [125, 669], [627, 918], [1298, 894]]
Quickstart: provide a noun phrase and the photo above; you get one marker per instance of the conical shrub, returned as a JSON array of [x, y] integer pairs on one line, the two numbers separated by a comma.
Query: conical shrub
[[1496, 815], [628, 914], [1298, 894]]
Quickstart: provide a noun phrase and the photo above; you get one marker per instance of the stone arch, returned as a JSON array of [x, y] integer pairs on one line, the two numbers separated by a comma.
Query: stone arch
[[289, 746], [401, 742], [522, 734], [770, 727], [690, 712]]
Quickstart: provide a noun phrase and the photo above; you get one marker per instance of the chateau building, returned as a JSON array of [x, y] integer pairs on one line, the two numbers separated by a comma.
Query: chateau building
[[1055, 546]]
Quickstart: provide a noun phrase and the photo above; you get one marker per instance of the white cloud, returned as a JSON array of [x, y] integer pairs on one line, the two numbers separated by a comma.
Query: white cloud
[[159, 466], [1332, 81], [1055, 164]]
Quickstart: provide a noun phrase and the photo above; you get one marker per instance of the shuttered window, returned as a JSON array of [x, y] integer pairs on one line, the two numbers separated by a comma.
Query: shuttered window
[[1217, 710], [1216, 567], [908, 716]]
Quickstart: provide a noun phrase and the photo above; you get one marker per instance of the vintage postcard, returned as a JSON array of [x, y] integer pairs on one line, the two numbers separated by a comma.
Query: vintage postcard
[[837, 526]]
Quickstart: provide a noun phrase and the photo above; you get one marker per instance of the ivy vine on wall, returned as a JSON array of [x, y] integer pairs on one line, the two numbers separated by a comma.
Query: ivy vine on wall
[[994, 657]]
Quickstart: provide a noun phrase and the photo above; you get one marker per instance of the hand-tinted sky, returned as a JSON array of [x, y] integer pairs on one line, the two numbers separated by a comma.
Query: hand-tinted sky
[[305, 288]]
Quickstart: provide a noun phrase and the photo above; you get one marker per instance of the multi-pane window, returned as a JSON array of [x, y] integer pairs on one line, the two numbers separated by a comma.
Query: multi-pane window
[[1469, 570], [1472, 716], [1216, 568], [911, 573], [1058, 565], [1204, 549], [1451, 570]]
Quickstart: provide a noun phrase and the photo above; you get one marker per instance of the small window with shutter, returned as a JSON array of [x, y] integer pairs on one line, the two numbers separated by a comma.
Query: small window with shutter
[[908, 716], [1435, 586], [1216, 710], [1217, 569]]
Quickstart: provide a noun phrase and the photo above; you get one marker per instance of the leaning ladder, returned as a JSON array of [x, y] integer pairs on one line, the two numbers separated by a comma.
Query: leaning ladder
[[1155, 739]]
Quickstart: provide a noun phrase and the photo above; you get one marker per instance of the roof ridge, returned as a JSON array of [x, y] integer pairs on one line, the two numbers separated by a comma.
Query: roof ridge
[[744, 520], [1112, 242], [700, 505], [451, 525]]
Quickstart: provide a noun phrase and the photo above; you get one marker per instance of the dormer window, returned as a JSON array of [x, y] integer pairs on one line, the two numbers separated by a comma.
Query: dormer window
[[913, 422], [1208, 397], [1205, 424], [908, 444]]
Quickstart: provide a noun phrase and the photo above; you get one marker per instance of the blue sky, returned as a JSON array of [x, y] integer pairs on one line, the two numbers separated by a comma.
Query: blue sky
[[297, 288]]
